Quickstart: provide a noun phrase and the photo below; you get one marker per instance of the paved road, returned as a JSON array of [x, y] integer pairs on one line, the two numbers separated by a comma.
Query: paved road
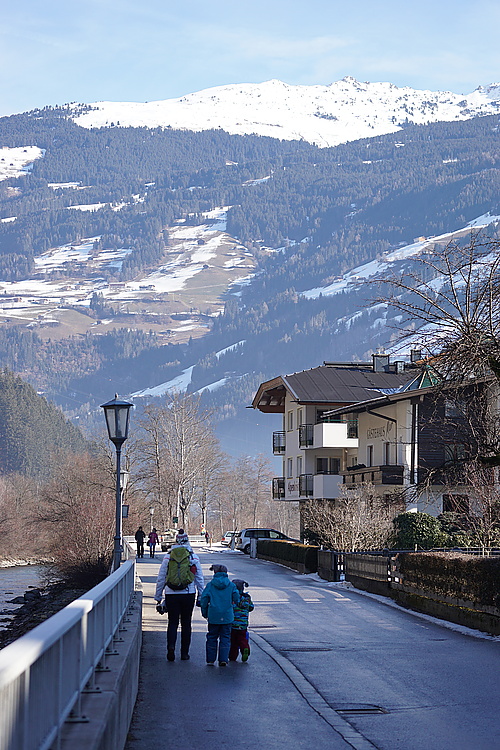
[[329, 668]]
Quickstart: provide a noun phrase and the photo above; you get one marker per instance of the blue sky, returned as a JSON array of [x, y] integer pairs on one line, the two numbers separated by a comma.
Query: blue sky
[[59, 51]]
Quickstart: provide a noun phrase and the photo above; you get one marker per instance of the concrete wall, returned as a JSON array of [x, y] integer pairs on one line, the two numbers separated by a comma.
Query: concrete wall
[[107, 713]]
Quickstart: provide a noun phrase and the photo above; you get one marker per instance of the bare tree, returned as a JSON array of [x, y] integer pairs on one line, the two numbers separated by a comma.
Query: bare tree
[[450, 305], [474, 505], [179, 451], [76, 513], [452, 299], [358, 520]]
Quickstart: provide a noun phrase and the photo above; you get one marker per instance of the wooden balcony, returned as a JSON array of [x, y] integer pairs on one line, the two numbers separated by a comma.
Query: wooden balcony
[[377, 475]]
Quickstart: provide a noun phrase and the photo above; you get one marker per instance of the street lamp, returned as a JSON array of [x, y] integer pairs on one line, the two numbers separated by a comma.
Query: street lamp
[[117, 413]]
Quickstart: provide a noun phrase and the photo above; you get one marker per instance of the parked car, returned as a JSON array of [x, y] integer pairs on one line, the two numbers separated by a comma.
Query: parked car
[[167, 538], [244, 536], [226, 539]]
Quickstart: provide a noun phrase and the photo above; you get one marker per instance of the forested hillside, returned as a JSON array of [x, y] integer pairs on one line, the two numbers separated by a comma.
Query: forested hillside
[[306, 214], [32, 430]]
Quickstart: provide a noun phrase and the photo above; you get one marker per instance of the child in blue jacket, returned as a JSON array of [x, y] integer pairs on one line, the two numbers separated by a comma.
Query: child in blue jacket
[[216, 603], [239, 633]]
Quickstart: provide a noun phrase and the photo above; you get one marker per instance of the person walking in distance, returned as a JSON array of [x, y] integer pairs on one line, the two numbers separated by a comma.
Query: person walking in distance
[[239, 633], [153, 540], [216, 604], [139, 538], [179, 577]]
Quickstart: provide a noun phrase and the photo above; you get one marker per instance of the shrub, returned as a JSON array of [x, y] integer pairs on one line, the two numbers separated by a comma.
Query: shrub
[[415, 530], [292, 552], [452, 574]]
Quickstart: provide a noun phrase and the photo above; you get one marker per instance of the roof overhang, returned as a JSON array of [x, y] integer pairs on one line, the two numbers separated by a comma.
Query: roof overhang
[[270, 397]]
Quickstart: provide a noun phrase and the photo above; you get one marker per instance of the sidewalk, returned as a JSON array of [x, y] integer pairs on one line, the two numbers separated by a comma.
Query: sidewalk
[[242, 706]]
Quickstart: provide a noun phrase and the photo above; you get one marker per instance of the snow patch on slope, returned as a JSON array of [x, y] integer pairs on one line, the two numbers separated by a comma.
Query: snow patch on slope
[[375, 268], [324, 115], [15, 162]]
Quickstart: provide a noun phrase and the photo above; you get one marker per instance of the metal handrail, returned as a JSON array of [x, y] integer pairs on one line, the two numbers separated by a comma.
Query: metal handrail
[[43, 673]]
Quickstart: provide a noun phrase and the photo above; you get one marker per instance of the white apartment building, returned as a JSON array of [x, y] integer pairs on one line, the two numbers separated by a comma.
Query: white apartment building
[[316, 446]]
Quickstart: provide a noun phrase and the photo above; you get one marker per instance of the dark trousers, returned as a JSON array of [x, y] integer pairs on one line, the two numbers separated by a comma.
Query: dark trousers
[[140, 549], [179, 608], [239, 642]]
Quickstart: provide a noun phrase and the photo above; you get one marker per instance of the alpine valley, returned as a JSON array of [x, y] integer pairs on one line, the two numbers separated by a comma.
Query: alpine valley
[[210, 242]]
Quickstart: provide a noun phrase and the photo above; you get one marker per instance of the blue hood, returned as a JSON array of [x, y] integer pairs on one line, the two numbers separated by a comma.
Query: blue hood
[[221, 580]]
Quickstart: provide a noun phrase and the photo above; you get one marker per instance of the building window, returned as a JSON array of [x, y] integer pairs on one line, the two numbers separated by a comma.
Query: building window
[[454, 453], [290, 421], [455, 504], [321, 466], [289, 469], [387, 454], [322, 416], [326, 465], [299, 465], [300, 417], [369, 455], [335, 466]]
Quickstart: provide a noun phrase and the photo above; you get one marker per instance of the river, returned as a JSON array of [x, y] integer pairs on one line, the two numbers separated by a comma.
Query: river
[[14, 582]]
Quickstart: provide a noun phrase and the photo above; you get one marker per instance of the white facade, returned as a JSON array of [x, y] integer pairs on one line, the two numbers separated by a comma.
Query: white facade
[[314, 453]]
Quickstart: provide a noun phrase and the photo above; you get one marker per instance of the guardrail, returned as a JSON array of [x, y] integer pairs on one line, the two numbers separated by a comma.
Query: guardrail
[[44, 673]]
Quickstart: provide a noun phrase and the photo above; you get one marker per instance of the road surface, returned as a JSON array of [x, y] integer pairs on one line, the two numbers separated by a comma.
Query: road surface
[[329, 668]]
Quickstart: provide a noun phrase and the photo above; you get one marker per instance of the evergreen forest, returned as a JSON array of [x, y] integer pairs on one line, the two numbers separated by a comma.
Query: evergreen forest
[[306, 214]]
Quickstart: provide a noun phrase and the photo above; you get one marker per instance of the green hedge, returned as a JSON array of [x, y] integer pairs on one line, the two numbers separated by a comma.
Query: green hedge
[[469, 577], [290, 552]]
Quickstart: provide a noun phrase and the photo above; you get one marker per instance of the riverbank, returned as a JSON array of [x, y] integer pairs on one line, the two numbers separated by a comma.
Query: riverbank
[[13, 562], [38, 609]]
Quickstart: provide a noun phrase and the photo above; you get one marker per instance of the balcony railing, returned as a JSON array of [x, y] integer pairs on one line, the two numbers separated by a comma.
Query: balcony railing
[[388, 474], [278, 488], [306, 435], [305, 485], [352, 428], [279, 443]]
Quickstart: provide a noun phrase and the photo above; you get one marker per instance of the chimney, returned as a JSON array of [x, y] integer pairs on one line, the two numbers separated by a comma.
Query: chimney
[[380, 362]]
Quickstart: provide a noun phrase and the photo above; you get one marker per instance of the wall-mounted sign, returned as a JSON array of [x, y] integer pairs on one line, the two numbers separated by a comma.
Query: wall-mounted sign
[[375, 432]]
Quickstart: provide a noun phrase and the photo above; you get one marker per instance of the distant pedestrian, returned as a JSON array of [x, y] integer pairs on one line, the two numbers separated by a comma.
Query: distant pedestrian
[[216, 603], [179, 577], [139, 538], [240, 642], [207, 537], [153, 540]]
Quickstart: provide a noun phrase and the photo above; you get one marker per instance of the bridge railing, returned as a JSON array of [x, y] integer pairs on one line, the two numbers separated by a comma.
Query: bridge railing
[[43, 673]]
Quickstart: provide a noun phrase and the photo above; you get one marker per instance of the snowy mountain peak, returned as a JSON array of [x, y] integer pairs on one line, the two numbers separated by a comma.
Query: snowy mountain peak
[[342, 111]]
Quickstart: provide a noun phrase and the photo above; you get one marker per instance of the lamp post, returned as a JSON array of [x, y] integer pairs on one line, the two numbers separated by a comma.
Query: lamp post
[[117, 413]]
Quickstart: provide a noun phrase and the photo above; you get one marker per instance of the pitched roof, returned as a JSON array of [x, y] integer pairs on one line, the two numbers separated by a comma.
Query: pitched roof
[[331, 384]]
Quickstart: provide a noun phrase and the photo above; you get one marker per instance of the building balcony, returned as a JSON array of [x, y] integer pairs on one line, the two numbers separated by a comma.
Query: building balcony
[[377, 475], [327, 486], [278, 488], [306, 485], [306, 435], [329, 435], [279, 443]]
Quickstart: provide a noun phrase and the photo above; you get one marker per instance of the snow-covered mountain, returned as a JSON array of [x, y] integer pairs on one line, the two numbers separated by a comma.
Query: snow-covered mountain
[[324, 115]]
